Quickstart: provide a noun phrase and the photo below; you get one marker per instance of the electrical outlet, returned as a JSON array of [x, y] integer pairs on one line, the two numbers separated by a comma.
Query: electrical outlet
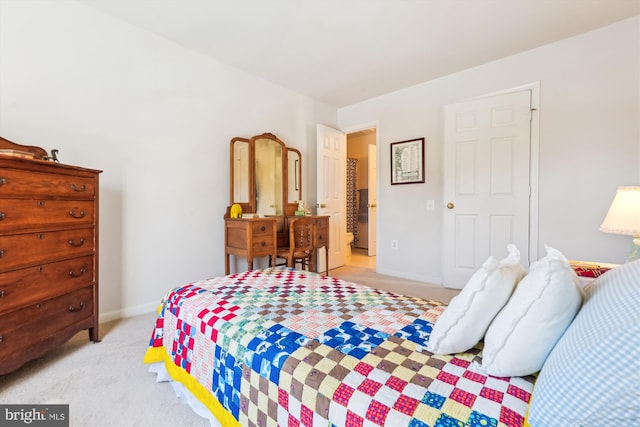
[[430, 205], [394, 245]]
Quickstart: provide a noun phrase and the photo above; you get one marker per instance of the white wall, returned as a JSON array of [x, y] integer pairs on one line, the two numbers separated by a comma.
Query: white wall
[[589, 144], [157, 119]]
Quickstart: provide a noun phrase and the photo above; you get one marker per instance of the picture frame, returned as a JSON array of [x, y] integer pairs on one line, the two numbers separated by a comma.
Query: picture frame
[[407, 161]]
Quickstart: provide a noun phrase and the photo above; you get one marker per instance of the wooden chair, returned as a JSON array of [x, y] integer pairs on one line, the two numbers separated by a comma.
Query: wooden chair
[[301, 248]]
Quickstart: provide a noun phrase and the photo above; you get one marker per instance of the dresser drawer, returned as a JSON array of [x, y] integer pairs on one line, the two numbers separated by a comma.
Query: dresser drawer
[[17, 182], [18, 213], [33, 284], [36, 322], [22, 250]]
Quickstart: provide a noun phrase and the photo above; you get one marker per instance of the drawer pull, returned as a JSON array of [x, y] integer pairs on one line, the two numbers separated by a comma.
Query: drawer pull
[[1, 293], [263, 243], [1, 253], [74, 274], [2, 216], [263, 228], [74, 309], [3, 181], [0, 339], [77, 216], [78, 189], [77, 245]]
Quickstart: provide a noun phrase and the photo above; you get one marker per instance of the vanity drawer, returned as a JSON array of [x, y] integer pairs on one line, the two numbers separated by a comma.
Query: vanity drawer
[[322, 232], [263, 245], [18, 213], [33, 284], [22, 250], [260, 228], [36, 322], [18, 182]]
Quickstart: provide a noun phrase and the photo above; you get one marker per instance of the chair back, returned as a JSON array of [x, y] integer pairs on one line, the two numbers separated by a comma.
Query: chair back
[[301, 237]]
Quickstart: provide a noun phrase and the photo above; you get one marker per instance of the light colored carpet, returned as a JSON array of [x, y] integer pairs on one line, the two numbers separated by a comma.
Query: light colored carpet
[[106, 384]]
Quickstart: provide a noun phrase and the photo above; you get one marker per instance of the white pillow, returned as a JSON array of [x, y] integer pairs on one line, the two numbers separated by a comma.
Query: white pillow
[[524, 332], [469, 314]]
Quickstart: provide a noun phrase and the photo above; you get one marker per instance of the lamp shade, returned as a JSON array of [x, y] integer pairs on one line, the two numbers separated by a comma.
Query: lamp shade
[[624, 214]]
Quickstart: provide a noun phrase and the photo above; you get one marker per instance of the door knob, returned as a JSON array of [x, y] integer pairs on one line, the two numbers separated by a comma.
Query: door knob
[[450, 205]]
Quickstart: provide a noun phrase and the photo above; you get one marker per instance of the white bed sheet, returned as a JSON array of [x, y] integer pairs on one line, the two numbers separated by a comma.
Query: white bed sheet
[[183, 394]]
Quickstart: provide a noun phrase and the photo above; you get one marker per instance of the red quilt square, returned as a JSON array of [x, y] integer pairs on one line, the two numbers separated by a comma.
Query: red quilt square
[[396, 383], [283, 399], [510, 418], [363, 368], [464, 397], [460, 362], [369, 387], [491, 394], [292, 422], [306, 416], [406, 405], [353, 420], [475, 377], [342, 394], [519, 393], [377, 412], [448, 378]]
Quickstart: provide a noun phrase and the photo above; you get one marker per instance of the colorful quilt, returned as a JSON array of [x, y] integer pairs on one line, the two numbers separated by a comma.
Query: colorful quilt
[[281, 347]]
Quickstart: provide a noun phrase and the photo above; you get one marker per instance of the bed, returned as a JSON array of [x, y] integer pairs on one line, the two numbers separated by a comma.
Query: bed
[[282, 347]]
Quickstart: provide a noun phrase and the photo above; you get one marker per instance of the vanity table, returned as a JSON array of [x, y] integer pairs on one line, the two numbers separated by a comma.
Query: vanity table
[[266, 182], [249, 238]]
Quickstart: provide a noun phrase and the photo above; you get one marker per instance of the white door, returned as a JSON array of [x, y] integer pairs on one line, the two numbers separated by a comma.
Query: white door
[[372, 203], [486, 188], [332, 189]]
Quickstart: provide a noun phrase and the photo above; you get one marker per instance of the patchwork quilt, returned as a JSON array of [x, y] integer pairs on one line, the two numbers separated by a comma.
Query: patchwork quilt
[[281, 347]]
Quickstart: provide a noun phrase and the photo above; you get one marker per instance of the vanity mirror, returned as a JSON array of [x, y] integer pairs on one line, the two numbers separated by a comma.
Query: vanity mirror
[[266, 181], [265, 175]]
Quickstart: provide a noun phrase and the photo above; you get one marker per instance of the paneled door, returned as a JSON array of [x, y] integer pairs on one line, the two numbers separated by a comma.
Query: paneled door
[[487, 182], [331, 191]]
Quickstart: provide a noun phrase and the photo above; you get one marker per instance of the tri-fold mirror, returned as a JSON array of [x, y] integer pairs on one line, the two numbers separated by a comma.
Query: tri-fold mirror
[[266, 175]]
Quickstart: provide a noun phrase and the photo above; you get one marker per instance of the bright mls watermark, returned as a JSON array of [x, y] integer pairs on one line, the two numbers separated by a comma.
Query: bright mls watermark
[[34, 415]]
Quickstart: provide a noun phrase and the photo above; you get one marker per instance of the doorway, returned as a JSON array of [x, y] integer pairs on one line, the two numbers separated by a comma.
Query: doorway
[[361, 198]]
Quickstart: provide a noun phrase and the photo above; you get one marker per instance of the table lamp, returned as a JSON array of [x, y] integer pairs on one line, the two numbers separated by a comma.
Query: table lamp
[[624, 217]]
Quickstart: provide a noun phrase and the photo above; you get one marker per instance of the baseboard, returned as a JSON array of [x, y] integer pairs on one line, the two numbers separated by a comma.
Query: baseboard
[[425, 279], [128, 312]]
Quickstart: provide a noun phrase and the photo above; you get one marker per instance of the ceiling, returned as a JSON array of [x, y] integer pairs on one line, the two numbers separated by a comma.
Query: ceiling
[[341, 52]]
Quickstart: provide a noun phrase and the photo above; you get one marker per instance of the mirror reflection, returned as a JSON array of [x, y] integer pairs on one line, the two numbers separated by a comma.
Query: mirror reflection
[[294, 175], [266, 176], [240, 166], [268, 167]]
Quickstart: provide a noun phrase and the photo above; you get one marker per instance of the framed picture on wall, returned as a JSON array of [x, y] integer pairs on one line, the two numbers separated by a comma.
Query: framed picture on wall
[[407, 161]]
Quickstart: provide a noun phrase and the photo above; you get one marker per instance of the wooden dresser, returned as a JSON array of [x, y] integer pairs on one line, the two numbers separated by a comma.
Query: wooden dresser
[[48, 257]]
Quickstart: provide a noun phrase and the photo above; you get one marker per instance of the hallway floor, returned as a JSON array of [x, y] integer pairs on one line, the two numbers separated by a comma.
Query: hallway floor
[[359, 258]]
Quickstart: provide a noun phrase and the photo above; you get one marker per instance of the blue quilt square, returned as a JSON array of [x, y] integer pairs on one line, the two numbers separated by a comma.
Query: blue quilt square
[[418, 331], [445, 420], [434, 400], [353, 339], [477, 419], [267, 352]]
